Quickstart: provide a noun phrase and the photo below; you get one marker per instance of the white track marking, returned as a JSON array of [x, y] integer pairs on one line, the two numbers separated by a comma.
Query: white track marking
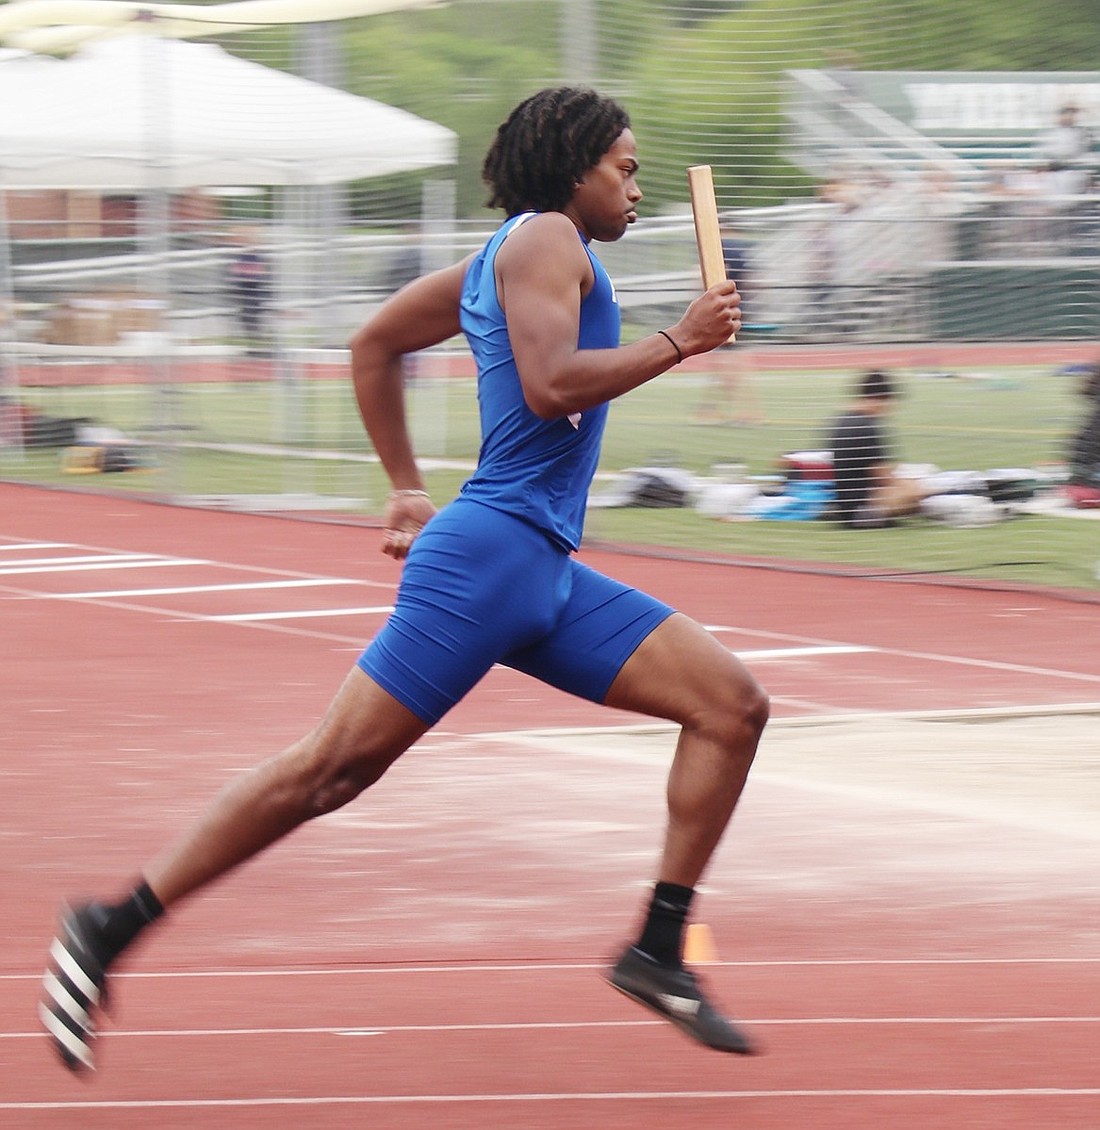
[[566, 1096], [236, 586], [117, 561], [930, 656], [538, 967], [247, 617], [259, 569], [570, 1025], [77, 559], [799, 643], [802, 652]]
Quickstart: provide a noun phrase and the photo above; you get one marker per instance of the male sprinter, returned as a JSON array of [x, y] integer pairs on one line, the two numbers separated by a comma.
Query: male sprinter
[[491, 578]]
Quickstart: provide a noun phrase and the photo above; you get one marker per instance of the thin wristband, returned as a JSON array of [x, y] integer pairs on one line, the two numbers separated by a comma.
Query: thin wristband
[[408, 494], [679, 355]]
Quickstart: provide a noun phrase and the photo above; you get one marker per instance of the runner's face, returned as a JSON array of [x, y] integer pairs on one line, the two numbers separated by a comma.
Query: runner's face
[[605, 200]]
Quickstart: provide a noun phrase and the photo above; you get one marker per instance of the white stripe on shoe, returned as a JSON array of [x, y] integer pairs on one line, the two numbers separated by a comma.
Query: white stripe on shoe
[[68, 965], [68, 1041], [65, 1001]]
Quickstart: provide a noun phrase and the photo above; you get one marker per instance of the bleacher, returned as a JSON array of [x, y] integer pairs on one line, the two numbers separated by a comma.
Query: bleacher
[[974, 123], [946, 188]]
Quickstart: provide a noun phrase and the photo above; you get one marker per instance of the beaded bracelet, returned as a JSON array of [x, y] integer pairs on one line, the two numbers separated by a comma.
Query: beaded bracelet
[[679, 355]]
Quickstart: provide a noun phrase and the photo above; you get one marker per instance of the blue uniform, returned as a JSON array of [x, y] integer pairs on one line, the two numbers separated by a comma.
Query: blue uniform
[[491, 578]]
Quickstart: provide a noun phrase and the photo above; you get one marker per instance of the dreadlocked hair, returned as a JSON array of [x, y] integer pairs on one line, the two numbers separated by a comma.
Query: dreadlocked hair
[[546, 145]]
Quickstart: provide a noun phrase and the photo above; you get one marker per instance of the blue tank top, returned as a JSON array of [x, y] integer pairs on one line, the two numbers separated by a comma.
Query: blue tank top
[[537, 470]]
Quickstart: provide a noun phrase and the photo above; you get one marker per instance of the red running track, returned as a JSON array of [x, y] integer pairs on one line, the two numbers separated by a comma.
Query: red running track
[[431, 956]]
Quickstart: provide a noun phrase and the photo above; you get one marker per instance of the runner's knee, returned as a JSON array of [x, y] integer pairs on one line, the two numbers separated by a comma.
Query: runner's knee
[[738, 715], [323, 779]]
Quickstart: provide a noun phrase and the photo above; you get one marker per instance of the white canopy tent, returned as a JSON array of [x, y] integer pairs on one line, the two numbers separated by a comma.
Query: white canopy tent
[[136, 112], [150, 116], [61, 26]]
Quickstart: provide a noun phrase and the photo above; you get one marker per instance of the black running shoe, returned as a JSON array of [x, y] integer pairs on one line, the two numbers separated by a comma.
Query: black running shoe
[[675, 994], [74, 988]]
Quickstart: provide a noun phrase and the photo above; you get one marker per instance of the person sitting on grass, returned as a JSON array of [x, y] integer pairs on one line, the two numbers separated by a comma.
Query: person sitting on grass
[[869, 492]]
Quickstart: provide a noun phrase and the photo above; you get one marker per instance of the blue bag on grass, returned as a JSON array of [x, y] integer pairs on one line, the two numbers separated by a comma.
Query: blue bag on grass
[[802, 501]]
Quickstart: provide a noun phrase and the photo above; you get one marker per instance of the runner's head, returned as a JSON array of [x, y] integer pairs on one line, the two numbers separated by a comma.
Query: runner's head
[[546, 145]]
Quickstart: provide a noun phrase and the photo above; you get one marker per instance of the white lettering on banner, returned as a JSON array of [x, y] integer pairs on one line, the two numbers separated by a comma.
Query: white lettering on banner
[[998, 105]]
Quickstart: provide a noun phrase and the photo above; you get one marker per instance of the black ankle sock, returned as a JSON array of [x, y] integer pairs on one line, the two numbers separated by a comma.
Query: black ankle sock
[[120, 923], [662, 935]]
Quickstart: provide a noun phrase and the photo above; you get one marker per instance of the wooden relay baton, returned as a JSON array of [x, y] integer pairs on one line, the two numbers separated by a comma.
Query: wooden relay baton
[[708, 232]]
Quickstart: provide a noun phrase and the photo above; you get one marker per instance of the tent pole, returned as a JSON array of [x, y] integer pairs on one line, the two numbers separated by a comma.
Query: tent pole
[[155, 235], [11, 426], [428, 398], [311, 215]]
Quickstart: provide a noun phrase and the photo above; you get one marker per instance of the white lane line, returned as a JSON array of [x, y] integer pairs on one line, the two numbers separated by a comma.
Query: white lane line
[[538, 967], [246, 617], [568, 1025], [242, 586], [565, 1096], [75, 559], [119, 562], [798, 640], [929, 656], [803, 652], [103, 551]]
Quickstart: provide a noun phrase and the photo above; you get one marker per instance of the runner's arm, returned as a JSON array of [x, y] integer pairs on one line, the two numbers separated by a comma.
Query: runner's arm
[[543, 275], [422, 314]]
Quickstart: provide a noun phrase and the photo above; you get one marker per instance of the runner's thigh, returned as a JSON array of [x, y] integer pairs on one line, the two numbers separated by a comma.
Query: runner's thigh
[[476, 585], [597, 631]]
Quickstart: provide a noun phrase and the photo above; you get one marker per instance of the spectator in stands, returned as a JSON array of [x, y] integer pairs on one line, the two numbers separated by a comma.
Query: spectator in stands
[[1083, 487], [1066, 145], [828, 314], [869, 492], [1020, 207], [1063, 154], [937, 206]]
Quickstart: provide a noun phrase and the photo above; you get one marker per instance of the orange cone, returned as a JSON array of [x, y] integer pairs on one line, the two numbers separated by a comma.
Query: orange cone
[[699, 946]]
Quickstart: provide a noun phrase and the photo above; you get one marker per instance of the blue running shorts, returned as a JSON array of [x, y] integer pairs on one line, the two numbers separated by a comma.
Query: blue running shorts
[[481, 587]]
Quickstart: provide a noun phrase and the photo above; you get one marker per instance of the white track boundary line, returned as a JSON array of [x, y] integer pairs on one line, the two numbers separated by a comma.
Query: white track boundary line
[[105, 563], [579, 966], [934, 657], [801, 652], [76, 559], [228, 565], [307, 614], [567, 1025], [800, 641], [236, 586], [565, 1096]]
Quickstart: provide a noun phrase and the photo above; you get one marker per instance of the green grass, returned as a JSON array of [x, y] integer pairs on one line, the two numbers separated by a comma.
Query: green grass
[[1049, 551], [1008, 418]]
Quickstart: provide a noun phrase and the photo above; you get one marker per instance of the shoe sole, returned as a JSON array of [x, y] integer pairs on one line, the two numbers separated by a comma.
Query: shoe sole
[[745, 1048]]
